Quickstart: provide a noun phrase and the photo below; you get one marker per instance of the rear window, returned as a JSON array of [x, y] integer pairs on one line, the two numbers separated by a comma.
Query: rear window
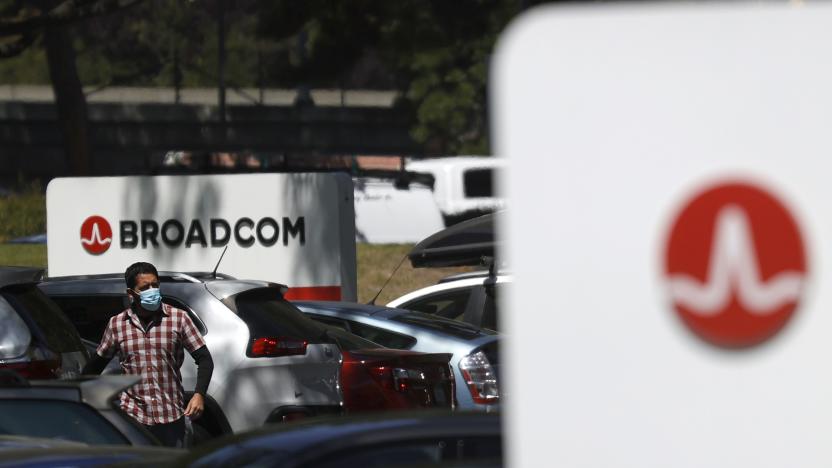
[[384, 337], [448, 327], [267, 314], [63, 420], [338, 331], [14, 334], [52, 326]]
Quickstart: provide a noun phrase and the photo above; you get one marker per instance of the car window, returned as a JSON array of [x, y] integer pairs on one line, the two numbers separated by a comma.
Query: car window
[[446, 304], [34, 305], [64, 420], [267, 314], [479, 183], [381, 336], [90, 314], [331, 321], [200, 326], [337, 329], [14, 334]]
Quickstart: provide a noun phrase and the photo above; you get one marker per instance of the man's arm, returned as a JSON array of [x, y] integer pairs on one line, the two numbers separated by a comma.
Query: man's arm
[[204, 369], [95, 365], [98, 362]]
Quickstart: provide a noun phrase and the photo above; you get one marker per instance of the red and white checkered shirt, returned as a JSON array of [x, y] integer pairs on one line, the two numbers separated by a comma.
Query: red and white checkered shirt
[[156, 355]]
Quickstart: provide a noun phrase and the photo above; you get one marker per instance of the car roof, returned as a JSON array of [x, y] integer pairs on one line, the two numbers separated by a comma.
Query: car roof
[[16, 275], [97, 392], [354, 308], [403, 318], [221, 286], [307, 438], [470, 274]]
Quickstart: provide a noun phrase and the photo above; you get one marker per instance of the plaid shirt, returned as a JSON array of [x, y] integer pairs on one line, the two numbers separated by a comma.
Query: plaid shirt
[[155, 354]]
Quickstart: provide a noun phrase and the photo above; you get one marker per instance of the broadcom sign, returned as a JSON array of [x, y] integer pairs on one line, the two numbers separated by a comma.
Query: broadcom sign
[[672, 227], [735, 265], [295, 229]]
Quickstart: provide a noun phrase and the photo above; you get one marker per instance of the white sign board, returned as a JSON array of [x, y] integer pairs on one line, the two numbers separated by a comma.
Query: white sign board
[[294, 229], [671, 234]]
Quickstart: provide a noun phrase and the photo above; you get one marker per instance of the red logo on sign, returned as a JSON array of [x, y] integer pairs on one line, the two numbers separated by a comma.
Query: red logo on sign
[[736, 265], [96, 235]]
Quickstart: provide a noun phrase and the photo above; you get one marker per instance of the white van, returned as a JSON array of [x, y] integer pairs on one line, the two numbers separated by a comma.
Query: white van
[[464, 186], [389, 214]]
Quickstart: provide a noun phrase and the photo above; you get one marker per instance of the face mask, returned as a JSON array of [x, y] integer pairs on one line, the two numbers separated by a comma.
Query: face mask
[[150, 299]]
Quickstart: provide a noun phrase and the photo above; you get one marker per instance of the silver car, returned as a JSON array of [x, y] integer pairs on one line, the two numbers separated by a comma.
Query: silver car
[[475, 350], [268, 364]]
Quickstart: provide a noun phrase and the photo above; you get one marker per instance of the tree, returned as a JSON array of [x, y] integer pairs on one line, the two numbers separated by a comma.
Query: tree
[[436, 53], [21, 24]]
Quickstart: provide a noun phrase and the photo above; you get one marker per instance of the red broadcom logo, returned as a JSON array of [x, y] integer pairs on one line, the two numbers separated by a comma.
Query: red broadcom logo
[[96, 235], [735, 265]]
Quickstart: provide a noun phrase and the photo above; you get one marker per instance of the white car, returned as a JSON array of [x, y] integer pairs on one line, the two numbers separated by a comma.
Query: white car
[[271, 362], [467, 297]]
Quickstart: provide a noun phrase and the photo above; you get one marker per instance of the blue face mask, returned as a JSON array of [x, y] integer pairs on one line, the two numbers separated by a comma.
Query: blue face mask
[[150, 299]]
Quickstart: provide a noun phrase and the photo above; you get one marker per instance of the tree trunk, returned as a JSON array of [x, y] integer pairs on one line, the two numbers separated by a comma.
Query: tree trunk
[[70, 101]]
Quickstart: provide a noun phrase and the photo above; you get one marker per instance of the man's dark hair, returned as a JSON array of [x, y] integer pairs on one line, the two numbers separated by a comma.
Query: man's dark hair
[[136, 269]]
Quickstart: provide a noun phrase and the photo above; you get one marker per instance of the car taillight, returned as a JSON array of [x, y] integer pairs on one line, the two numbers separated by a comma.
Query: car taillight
[[277, 346], [397, 378], [480, 378], [31, 370]]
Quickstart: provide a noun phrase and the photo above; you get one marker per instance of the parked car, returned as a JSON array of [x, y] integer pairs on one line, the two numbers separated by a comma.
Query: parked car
[[468, 297], [395, 439], [374, 378], [83, 411], [87, 456], [264, 372], [464, 186], [36, 339], [475, 361], [471, 297]]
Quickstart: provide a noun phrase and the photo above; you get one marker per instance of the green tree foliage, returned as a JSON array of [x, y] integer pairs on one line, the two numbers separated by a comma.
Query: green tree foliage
[[435, 52]]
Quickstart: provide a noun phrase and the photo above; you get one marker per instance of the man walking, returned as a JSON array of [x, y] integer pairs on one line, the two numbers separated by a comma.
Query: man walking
[[149, 338]]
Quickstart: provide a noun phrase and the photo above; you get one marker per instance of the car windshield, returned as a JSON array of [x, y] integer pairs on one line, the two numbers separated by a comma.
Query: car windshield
[[267, 314], [54, 419], [450, 327]]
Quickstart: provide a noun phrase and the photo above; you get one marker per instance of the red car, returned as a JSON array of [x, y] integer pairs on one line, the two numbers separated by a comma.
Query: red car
[[375, 378]]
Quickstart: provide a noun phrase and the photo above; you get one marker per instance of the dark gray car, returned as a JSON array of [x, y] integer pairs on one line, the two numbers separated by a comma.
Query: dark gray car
[[83, 411], [36, 339]]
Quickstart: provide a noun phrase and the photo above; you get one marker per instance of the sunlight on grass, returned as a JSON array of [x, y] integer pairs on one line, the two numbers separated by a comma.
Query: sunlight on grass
[[23, 255]]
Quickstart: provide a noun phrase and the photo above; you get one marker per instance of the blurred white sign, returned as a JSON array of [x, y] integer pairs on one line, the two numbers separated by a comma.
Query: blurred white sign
[[670, 234], [295, 229]]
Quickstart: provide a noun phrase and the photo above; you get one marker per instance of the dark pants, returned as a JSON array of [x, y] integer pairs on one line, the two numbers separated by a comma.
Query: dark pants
[[170, 434]]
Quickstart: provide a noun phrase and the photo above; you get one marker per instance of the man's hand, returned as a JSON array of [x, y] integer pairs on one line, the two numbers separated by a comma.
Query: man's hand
[[195, 407]]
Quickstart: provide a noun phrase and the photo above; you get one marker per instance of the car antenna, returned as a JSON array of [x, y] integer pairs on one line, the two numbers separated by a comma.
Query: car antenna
[[214, 273], [373, 300]]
